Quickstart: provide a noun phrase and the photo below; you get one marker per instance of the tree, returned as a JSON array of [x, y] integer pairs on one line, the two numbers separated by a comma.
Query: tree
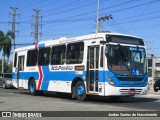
[[6, 42], [7, 66], [6, 45]]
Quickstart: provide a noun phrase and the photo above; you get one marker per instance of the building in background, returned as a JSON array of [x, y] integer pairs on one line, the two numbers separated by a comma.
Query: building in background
[[153, 70], [157, 64]]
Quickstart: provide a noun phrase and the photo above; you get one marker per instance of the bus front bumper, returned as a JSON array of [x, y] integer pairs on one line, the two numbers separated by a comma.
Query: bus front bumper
[[125, 91]]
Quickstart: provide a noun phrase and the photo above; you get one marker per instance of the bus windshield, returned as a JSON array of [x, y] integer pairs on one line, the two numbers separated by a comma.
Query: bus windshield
[[126, 60]]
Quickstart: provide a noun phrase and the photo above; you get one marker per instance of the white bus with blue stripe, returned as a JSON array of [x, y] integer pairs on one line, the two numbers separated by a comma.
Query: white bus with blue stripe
[[102, 64]]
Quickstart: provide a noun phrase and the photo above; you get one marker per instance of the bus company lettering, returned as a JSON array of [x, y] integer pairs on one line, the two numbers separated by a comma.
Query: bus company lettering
[[62, 68]]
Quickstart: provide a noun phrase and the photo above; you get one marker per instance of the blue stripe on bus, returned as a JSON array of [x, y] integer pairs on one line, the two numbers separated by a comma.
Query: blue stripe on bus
[[26, 75], [41, 45], [64, 76], [70, 75]]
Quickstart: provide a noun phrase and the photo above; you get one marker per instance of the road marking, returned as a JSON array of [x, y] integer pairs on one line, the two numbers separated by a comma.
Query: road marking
[[10, 93]]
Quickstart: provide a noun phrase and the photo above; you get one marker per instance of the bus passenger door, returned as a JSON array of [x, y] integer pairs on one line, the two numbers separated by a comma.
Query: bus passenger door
[[20, 76], [92, 69]]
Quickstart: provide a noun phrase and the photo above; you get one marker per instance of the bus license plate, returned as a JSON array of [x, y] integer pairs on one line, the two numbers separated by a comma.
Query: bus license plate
[[131, 91]]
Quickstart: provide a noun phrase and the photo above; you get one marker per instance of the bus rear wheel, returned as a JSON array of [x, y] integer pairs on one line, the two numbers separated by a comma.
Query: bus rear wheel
[[80, 91], [32, 87]]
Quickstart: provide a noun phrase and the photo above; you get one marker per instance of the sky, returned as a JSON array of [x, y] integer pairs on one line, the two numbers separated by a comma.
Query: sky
[[71, 18]]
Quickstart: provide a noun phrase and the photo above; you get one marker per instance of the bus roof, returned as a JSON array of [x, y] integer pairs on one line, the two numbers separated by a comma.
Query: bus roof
[[64, 40]]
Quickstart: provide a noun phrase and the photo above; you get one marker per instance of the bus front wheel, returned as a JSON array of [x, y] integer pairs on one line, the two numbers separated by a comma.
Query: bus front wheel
[[32, 87], [80, 91]]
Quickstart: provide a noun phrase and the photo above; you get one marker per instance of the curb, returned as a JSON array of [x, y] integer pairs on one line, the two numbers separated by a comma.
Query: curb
[[158, 95]]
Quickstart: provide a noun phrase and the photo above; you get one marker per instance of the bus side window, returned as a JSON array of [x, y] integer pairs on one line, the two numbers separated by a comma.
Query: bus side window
[[32, 57], [43, 58], [63, 55], [75, 53], [58, 55]]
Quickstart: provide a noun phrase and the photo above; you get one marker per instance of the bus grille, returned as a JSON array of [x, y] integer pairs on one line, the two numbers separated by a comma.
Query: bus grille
[[129, 79], [130, 91]]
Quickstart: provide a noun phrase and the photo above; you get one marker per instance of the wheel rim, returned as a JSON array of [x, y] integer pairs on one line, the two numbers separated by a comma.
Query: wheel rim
[[32, 87], [80, 90]]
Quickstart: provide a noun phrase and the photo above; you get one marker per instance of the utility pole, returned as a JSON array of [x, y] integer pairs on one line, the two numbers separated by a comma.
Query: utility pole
[[13, 22], [102, 19], [153, 62], [36, 25], [98, 26]]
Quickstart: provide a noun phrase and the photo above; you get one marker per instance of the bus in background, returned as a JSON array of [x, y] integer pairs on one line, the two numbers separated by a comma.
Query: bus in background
[[102, 64]]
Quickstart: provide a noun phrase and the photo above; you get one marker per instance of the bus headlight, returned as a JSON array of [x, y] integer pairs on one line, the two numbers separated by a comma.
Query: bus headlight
[[110, 81]]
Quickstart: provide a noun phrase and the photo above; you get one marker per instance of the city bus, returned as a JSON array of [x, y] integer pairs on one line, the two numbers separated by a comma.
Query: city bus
[[101, 64]]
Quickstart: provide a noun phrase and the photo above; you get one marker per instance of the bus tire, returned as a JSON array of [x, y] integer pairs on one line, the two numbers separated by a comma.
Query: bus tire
[[80, 91], [74, 92], [32, 87]]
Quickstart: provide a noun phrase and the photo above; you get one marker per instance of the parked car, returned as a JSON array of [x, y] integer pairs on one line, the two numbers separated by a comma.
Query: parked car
[[156, 85], [1, 80], [6, 80]]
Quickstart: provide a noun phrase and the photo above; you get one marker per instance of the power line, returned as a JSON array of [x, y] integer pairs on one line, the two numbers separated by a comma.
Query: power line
[[63, 6], [71, 9], [118, 26], [104, 9], [134, 6], [138, 17], [33, 6], [71, 21], [126, 18], [156, 17], [101, 9]]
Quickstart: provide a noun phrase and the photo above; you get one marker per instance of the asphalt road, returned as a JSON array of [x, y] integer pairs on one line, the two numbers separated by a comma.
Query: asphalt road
[[21, 100]]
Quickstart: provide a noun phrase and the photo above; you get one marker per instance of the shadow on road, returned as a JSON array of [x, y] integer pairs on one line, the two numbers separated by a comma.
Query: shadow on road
[[135, 102], [97, 99]]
